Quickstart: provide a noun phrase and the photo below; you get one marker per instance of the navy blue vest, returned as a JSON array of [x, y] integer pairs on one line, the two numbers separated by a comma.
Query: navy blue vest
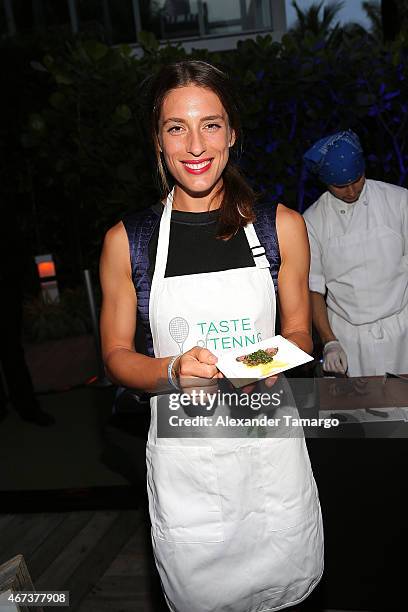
[[140, 227]]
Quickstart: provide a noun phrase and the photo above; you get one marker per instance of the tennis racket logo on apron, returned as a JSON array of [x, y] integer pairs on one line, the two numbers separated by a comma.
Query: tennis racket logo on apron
[[178, 330]]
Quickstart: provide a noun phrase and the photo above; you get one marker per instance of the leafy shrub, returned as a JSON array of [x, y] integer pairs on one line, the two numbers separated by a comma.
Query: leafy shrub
[[48, 320], [84, 156]]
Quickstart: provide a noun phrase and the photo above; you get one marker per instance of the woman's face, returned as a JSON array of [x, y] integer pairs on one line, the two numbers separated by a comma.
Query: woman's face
[[194, 136]]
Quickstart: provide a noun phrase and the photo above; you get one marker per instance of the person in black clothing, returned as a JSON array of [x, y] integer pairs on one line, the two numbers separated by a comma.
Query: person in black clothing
[[19, 386]]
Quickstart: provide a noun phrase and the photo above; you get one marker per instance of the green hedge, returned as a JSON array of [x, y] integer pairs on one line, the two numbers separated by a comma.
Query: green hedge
[[82, 161], [48, 320]]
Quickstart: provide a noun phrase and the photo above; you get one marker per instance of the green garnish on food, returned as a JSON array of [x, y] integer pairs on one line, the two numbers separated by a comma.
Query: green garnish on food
[[258, 357]]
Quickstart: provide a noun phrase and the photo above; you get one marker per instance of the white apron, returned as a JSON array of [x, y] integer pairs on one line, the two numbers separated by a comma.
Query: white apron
[[366, 274], [236, 523]]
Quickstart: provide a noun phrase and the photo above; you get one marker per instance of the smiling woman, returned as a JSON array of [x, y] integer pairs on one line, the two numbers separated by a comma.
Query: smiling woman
[[195, 145], [192, 273], [194, 125]]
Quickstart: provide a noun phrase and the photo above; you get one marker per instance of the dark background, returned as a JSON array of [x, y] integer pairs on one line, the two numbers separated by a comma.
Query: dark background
[[73, 154]]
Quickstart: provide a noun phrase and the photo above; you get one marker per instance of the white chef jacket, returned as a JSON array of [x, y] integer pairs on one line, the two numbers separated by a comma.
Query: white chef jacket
[[359, 254]]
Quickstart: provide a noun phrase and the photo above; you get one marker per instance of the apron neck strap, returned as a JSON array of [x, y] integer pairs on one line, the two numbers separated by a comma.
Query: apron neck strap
[[163, 241], [257, 250]]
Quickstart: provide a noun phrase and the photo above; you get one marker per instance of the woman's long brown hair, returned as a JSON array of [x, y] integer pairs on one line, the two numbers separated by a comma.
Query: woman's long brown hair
[[238, 198]]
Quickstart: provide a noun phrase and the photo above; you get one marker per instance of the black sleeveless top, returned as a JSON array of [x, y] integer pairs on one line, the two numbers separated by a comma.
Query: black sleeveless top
[[194, 248]]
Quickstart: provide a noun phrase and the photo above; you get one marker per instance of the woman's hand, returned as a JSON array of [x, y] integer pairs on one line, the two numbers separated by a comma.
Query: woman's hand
[[197, 369]]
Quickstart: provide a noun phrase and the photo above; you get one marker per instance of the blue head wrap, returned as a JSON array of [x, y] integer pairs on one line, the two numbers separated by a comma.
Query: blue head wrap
[[336, 159]]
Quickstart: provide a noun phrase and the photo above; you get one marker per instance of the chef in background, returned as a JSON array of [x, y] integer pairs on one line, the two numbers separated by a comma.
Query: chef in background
[[358, 233]]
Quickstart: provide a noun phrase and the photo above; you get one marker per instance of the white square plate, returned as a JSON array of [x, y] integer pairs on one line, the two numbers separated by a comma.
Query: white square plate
[[288, 356]]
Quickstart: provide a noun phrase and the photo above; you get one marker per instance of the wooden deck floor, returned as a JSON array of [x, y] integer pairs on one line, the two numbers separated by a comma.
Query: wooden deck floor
[[103, 558]]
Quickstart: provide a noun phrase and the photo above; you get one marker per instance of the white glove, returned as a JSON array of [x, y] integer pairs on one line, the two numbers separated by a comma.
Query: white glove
[[334, 357]]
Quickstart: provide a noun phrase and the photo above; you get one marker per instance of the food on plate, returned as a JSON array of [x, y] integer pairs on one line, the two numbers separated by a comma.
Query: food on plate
[[258, 357]]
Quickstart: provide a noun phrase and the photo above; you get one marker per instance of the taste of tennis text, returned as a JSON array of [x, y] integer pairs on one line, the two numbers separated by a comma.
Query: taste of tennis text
[[240, 333]]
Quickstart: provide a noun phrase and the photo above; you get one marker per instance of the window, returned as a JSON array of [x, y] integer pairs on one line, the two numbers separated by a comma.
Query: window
[[184, 18]]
